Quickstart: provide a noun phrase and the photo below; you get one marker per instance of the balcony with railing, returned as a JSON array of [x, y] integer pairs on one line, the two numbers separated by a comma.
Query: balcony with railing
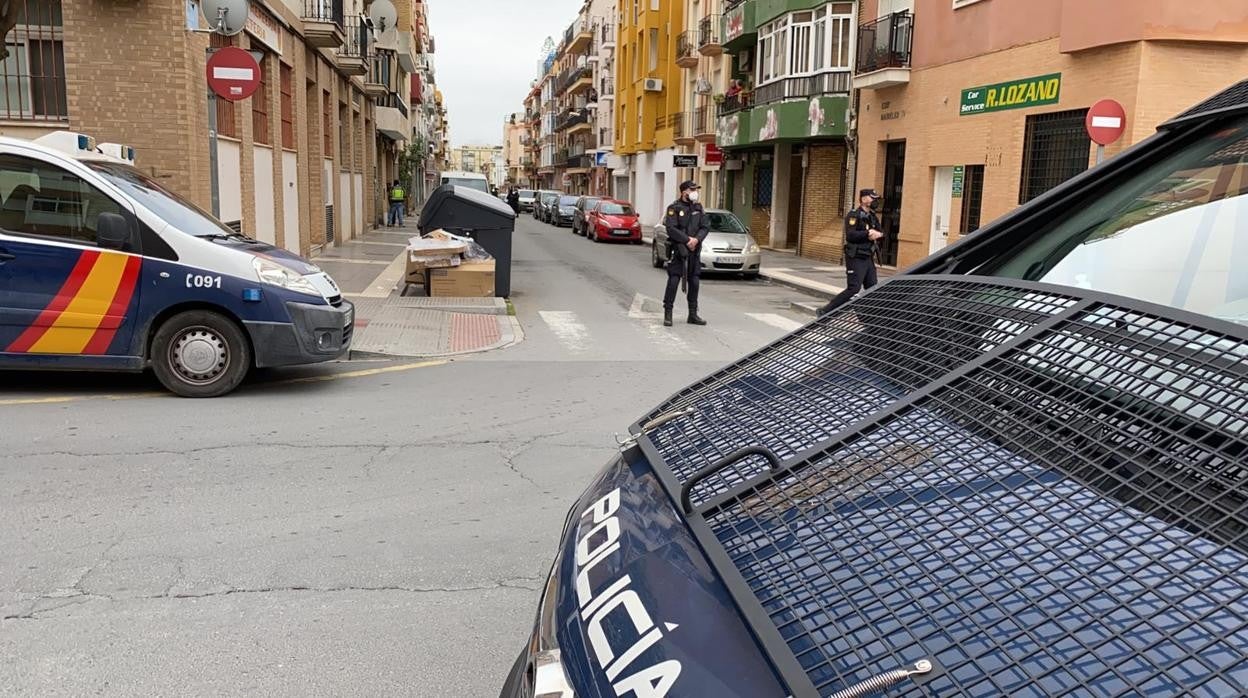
[[573, 121], [381, 68], [710, 36], [575, 79], [830, 83], [606, 36], [323, 23], [682, 130], [579, 164], [703, 122], [884, 52], [352, 57], [579, 36], [732, 104], [686, 50]]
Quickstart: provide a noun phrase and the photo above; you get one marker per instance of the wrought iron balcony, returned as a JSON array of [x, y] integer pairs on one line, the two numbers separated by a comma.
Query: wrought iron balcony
[[686, 50], [710, 36], [323, 23], [884, 51], [352, 57]]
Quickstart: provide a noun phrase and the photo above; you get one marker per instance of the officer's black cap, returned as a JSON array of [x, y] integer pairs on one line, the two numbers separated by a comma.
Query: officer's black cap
[[869, 192], [687, 185]]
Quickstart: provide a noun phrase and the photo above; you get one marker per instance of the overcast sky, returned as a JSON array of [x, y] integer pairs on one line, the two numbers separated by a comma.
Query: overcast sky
[[487, 53]]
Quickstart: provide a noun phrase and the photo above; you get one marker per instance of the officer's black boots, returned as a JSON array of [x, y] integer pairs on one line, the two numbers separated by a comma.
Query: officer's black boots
[[694, 319], [667, 317]]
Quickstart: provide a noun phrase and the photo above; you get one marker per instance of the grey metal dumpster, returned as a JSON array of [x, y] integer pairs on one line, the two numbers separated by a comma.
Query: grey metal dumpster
[[477, 215]]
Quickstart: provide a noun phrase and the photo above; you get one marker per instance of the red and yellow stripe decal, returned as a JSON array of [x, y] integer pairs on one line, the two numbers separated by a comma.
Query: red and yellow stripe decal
[[85, 314]]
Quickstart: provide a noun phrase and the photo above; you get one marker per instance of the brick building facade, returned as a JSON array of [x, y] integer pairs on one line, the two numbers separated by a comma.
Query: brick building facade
[[957, 133], [300, 164]]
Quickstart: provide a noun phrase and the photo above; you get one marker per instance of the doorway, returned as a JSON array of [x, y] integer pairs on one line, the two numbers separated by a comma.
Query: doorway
[[942, 208], [890, 207]]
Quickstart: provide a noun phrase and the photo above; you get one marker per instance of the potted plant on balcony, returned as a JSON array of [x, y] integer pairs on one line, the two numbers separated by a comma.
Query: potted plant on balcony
[[718, 98]]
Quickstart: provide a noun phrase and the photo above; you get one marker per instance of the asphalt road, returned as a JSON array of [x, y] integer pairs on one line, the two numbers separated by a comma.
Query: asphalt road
[[348, 529]]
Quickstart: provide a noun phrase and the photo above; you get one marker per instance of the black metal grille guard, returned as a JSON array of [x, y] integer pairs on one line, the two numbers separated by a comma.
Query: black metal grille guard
[[1030, 485]]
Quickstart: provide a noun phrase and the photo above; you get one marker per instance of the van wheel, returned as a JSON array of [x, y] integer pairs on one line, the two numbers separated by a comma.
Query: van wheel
[[200, 354]]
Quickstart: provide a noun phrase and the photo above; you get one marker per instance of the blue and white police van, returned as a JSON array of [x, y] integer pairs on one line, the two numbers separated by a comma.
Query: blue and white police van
[[1018, 469], [103, 268]]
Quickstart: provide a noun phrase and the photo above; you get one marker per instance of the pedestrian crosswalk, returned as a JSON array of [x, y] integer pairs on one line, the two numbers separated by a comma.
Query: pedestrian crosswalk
[[639, 334]]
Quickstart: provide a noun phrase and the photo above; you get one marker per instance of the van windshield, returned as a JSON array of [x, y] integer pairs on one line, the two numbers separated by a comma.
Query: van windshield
[[169, 206], [526, 193], [478, 184], [1175, 233]]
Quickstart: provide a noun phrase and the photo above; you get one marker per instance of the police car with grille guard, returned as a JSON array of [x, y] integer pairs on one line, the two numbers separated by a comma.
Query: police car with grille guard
[[103, 268], [1018, 469]]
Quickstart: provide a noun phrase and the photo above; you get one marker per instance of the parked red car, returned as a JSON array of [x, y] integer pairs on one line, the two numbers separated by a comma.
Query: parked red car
[[613, 220]]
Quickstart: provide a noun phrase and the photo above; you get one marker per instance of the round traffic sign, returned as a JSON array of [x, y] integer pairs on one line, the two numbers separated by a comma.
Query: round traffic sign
[[233, 73], [1106, 122]]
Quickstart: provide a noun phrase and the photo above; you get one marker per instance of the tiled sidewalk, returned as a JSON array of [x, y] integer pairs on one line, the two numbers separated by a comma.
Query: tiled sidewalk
[[370, 273]]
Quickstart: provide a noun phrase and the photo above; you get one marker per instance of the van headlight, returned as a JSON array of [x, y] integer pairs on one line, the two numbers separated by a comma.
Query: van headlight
[[549, 677], [272, 273]]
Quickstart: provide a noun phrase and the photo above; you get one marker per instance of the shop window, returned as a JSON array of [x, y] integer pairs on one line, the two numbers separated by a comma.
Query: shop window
[[1055, 149], [972, 198]]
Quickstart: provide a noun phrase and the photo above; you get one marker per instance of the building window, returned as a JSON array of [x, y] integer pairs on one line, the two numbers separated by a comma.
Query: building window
[[260, 107], [1055, 149], [654, 50], [288, 106], [226, 122], [327, 124], [972, 198], [33, 72], [805, 43]]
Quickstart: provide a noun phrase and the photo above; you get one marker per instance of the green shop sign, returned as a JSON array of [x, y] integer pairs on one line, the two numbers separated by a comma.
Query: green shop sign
[[1019, 94]]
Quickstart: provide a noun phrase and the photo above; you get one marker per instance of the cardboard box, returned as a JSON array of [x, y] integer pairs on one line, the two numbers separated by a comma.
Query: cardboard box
[[417, 266], [472, 279]]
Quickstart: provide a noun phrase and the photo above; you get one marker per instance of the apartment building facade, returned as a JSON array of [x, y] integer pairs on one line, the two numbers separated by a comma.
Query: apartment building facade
[[783, 122], [707, 75], [648, 98], [957, 133], [299, 164]]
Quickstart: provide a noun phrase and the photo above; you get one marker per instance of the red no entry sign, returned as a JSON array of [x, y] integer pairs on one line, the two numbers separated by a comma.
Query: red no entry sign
[[233, 73], [1106, 122]]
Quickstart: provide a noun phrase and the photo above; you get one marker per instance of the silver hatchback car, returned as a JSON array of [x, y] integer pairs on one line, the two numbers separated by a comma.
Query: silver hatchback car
[[728, 248]]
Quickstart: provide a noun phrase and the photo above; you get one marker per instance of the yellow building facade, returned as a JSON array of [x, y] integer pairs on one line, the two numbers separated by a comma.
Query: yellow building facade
[[648, 104]]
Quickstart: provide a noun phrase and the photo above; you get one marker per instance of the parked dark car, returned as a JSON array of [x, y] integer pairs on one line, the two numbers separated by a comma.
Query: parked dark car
[[547, 206], [583, 207], [614, 221], [565, 211], [1018, 468]]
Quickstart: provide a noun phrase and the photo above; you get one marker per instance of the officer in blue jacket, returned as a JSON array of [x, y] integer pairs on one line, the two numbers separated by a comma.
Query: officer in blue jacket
[[862, 231], [687, 227]]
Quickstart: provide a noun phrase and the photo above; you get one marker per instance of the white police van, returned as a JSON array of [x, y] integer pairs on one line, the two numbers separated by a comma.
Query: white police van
[[103, 268]]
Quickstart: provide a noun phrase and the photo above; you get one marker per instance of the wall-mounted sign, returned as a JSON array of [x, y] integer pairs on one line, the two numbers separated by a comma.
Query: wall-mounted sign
[[714, 156], [1019, 94], [263, 26], [959, 176], [684, 161]]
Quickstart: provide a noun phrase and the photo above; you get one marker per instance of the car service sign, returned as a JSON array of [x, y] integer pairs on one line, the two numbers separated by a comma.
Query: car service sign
[[233, 73], [1106, 122]]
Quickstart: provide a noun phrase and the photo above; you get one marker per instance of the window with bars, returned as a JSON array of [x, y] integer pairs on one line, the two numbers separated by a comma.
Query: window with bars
[[260, 127], [972, 198], [1055, 149], [226, 122], [762, 185], [288, 106], [33, 67]]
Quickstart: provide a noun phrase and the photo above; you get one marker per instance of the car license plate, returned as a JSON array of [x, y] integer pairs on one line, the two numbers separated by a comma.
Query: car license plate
[[621, 232], [731, 259]]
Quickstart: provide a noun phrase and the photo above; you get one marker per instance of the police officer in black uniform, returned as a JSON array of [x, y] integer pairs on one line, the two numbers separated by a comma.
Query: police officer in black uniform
[[862, 231], [687, 228]]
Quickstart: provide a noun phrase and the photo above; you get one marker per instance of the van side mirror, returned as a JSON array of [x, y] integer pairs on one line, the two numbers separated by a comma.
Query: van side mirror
[[112, 231]]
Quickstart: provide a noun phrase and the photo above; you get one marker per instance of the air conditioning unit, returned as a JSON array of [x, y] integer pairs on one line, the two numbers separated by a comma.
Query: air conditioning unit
[[653, 85]]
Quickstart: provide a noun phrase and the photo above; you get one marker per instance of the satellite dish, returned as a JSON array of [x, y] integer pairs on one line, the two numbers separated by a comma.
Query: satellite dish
[[385, 23], [226, 16]]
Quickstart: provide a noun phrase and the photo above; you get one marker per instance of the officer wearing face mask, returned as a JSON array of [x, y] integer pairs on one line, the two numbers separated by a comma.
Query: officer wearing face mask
[[862, 231], [687, 228]]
